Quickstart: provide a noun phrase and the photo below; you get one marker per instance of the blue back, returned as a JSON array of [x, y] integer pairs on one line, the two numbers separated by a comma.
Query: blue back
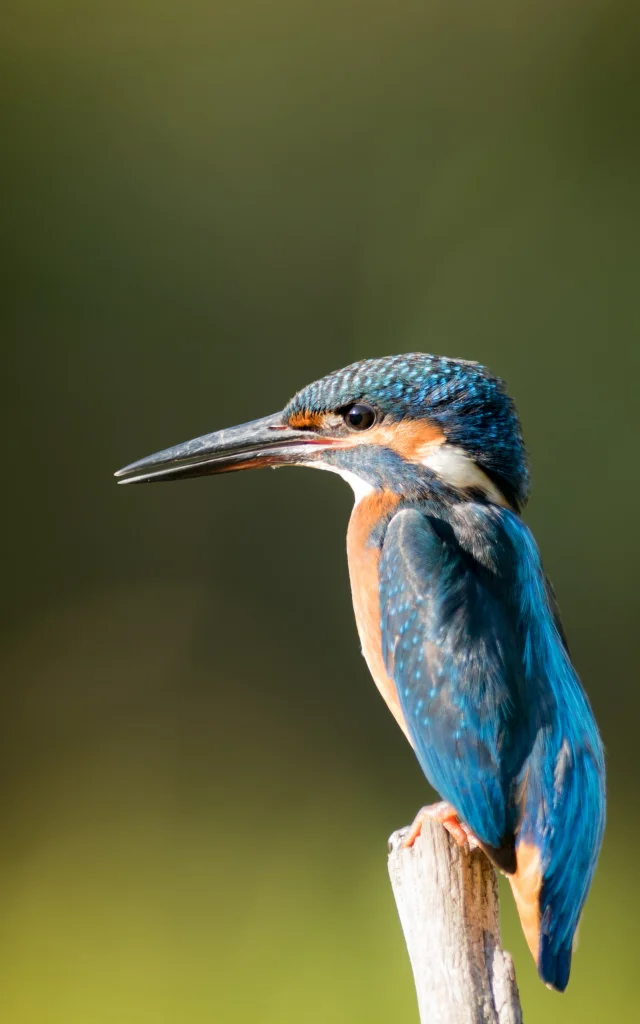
[[500, 723]]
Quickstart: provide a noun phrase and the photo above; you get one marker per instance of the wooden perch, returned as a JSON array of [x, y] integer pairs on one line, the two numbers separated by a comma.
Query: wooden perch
[[447, 899]]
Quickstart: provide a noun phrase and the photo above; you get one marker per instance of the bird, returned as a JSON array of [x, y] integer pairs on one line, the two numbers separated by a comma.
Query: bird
[[458, 622]]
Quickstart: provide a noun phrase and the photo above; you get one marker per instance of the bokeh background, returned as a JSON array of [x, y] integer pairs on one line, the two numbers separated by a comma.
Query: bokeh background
[[205, 206]]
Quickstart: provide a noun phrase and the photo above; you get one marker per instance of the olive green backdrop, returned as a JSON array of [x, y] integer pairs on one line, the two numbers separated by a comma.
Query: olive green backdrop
[[205, 206]]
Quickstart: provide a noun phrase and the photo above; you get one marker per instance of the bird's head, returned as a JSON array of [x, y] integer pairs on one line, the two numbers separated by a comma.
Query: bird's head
[[418, 425]]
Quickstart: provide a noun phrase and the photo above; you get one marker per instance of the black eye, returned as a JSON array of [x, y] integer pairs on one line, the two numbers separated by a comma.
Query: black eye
[[359, 416]]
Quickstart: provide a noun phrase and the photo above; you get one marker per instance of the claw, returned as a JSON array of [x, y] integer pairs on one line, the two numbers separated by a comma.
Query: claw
[[447, 816], [472, 839]]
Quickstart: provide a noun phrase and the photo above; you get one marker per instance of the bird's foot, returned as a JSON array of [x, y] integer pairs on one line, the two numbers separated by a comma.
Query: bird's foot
[[446, 815]]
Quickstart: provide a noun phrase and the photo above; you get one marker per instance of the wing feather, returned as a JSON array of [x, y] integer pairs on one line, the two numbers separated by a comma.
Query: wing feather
[[500, 723], [451, 645]]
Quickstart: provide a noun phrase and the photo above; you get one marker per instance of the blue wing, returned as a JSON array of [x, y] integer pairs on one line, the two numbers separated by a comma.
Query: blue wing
[[563, 793], [451, 645], [500, 724]]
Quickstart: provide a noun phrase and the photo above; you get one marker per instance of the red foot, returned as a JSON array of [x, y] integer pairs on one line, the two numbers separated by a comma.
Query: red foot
[[446, 815]]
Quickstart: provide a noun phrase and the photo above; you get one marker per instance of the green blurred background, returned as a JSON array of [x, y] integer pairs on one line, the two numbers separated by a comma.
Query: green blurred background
[[205, 206]]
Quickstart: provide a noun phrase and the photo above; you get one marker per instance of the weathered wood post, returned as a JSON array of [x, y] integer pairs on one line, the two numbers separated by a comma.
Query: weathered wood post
[[447, 899]]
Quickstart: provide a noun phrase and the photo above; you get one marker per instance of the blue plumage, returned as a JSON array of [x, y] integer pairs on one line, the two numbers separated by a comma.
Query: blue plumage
[[457, 667], [457, 620], [564, 806], [470, 403], [500, 723]]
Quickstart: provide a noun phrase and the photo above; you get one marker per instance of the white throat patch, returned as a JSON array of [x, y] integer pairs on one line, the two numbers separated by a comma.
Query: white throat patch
[[360, 487]]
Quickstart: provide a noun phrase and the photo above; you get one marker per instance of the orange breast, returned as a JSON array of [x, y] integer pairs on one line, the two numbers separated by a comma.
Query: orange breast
[[364, 559]]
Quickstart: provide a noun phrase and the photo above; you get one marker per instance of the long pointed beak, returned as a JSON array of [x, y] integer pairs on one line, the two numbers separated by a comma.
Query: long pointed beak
[[265, 442]]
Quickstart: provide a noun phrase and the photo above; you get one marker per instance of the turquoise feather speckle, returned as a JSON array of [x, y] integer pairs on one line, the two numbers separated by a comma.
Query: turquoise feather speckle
[[508, 737]]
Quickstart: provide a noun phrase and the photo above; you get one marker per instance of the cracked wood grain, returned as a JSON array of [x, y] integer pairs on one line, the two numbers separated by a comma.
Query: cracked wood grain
[[447, 899]]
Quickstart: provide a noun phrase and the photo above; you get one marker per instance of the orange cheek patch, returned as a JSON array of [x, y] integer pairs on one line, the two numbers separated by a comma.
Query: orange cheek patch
[[413, 440]]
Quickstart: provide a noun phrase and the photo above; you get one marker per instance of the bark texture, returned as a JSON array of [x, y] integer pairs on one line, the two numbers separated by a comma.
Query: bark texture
[[447, 899]]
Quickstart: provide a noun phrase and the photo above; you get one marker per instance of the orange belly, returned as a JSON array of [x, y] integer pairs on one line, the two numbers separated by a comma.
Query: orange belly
[[526, 884], [364, 560]]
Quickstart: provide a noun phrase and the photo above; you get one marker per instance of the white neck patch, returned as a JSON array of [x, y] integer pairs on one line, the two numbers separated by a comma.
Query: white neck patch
[[454, 467], [360, 487]]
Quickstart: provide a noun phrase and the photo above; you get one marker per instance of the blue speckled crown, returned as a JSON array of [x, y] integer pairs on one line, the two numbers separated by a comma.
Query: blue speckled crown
[[464, 398]]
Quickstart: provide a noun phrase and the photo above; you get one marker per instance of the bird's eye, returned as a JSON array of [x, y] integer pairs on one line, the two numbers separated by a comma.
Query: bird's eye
[[359, 416]]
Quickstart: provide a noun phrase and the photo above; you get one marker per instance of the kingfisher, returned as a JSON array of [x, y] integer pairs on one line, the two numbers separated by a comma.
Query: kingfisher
[[458, 623]]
